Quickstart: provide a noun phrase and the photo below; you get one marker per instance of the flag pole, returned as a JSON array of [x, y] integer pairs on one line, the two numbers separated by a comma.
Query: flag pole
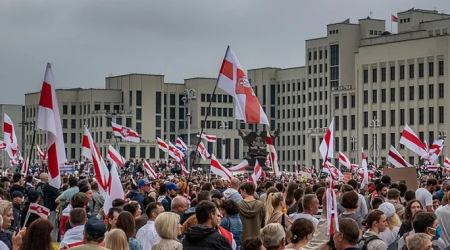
[[32, 146], [207, 113]]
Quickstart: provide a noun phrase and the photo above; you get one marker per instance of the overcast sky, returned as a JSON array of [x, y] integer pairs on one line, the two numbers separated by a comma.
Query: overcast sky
[[87, 40]]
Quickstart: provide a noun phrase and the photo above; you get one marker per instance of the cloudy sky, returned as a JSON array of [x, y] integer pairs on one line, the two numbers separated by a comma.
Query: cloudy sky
[[87, 40]]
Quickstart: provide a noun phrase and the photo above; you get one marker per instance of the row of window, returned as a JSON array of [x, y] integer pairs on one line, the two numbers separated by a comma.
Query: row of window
[[375, 32], [420, 94], [286, 100], [420, 112], [216, 98], [221, 112], [313, 68], [344, 102], [319, 123], [312, 110], [411, 72], [316, 81], [313, 54]]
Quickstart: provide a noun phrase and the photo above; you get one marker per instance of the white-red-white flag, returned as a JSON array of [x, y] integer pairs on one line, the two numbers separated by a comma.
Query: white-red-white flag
[[326, 147], [257, 173], [344, 161], [37, 209], [150, 170], [90, 151], [203, 152], [365, 180], [435, 150], [24, 169], [412, 142], [240, 167], [273, 156], [209, 138], [13, 162], [173, 152], [396, 158], [432, 168], [114, 189], [447, 164], [162, 145], [115, 156], [180, 143], [41, 154], [232, 80], [2, 145], [220, 170], [50, 121], [9, 137], [125, 133], [332, 207]]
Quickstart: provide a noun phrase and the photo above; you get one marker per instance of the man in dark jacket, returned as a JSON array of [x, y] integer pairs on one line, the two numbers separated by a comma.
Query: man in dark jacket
[[138, 194], [16, 197], [49, 194], [205, 235], [171, 192], [33, 197]]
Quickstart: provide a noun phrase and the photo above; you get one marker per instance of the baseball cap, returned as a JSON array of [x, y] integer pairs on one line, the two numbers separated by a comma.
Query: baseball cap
[[33, 195], [16, 194], [387, 209], [95, 228], [143, 182], [172, 186]]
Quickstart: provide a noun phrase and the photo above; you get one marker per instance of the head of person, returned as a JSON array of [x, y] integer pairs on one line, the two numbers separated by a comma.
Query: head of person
[[301, 229], [346, 188], [116, 239], [376, 221], [155, 185], [348, 234], [131, 208], [119, 203], [431, 184], [235, 182], [168, 226], [391, 217], [247, 189], [350, 200], [310, 204], [412, 207], [94, 186], [113, 214], [419, 241], [410, 195], [290, 193], [207, 186], [172, 189], [393, 195], [94, 231], [73, 181], [229, 207], [77, 217], [17, 178], [386, 179], [273, 201], [87, 190], [402, 188], [381, 189], [206, 213], [425, 223], [17, 197], [79, 200], [6, 210], [153, 210], [376, 202], [144, 186], [38, 235], [183, 188], [252, 243], [44, 177], [273, 236], [179, 204], [126, 222], [204, 195]]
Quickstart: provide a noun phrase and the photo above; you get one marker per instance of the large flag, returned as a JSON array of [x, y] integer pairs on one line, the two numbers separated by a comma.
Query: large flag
[[114, 189], [220, 170], [50, 121], [273, 156], [180, 144], [150, 170], [257, 173], [203, 152], [162, 145], [41, 154], [344, 161], [326, 148], [232, 80], [174, 152], [9, 136], [209, 138], [412, 142], [115, 156], [297, 174], [435, 150], [396, 158], [90, 151], [240, 167], [125, 133], [365, 180]]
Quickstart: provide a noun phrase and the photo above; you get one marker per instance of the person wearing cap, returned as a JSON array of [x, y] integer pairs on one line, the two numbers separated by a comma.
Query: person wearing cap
[[138, 195], [393, 221], [93, 235], [33, 197], [16, 197], [171, 192]]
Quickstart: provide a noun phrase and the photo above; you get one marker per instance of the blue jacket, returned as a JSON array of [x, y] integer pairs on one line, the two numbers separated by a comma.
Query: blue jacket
[[135, 195], [440, 194], [233, 224]]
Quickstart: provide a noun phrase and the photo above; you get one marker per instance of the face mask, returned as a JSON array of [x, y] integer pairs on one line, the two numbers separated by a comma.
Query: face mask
[[438, 233]]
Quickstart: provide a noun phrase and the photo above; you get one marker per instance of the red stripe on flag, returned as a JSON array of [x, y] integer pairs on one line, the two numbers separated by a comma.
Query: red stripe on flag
[[227, 69], [253, 109], [52, 161], [414, 139], [46, 99], [397, 158]]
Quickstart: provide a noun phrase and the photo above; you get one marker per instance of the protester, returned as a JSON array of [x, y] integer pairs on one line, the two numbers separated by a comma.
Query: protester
[[116, 240], [413, 207], [310, 205], [425, 196], [301, 232], [38, 236], [179, 205], [33, 197], [389, 235], [147, 234], [6, 210], [125, 221], [376, 223], [274, 211], [231, 220], [168, 227], [171, 192], [74, 235], [93, 235]]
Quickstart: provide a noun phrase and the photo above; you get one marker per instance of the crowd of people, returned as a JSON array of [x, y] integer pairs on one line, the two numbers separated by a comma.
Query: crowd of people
[[200, 211]]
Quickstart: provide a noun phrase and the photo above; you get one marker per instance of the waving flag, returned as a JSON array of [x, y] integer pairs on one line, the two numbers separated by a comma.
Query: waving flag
[[232, 80], [344, 161], [240, 167], [50, 121], [203, 152], [174, 152], [326, 148], [42, 155], [209, 138], [447, 165], [114, 189], [115, 156], [412, 142], [434, 151], [2, 145], [365, 180], [273, 156], [220, 170], [396, 159], [150, 170], [24, 169], [90, 151], [257, 173], [180, 144], [9, 135], [37, 209], [162, 145], [125, 133]]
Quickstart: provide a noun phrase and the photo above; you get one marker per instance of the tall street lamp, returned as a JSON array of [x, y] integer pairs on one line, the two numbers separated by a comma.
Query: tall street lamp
[[189, 96], [353, 142], [374, 124]]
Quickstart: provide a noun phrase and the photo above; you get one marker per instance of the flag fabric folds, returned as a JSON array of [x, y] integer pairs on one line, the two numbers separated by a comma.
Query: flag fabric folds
[[150, 170], [9, 137], [125, 133], [394, 18], [203, 152], [326, 147], [209, 138], [240, 167], [272, 156], [41, 154], [90, 151], [162, 145], [396, 159], [412, 142], [220, 170], [49, 120], [115, 156], [365, 177], [114, 189], [344, 161], [257, 173], [180, 144]]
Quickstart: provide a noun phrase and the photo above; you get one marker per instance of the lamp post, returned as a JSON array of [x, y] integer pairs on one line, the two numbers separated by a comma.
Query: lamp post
[[223, 126], [189, 96], [353, 142], [374, 124], [29, 125]]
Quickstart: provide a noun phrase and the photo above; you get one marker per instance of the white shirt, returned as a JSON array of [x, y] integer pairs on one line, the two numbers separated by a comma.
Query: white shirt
[[3, 246], [389, 236], [147, 235], [311, 218], [443, 214], [425, 198]]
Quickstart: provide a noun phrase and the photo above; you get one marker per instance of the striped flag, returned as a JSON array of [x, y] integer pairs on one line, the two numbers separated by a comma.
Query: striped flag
[[273, 156], [115, 156], [125, 133], [344, 161], [180, 144], [162, 145], [412, 142], [90, 151], [257, 173], [240, 167], [326, 148], [396, 159], [209, 138], [220, 170], [203, 152]]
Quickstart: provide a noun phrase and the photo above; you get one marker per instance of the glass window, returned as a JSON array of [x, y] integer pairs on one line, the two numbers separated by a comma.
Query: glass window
[[138, 98]]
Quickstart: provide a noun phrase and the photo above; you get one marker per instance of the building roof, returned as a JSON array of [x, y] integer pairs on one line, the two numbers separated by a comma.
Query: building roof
[[264, 68], [423, 11], [132, 74], [74, 89], [200, 77]]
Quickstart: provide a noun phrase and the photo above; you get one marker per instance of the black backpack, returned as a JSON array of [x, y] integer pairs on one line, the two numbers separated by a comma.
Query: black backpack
[[362, 243]]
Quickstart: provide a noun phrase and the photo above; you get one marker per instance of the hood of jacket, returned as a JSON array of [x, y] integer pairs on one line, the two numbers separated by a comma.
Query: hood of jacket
[[199, 233], [250, 209], [229, 192], [190, 211], [134, 195]]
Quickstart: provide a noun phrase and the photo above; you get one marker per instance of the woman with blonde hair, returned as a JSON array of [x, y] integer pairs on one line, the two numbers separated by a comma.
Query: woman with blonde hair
[[274, 211], [116, 240], [390, 234], [6, 210], [168, 227]]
